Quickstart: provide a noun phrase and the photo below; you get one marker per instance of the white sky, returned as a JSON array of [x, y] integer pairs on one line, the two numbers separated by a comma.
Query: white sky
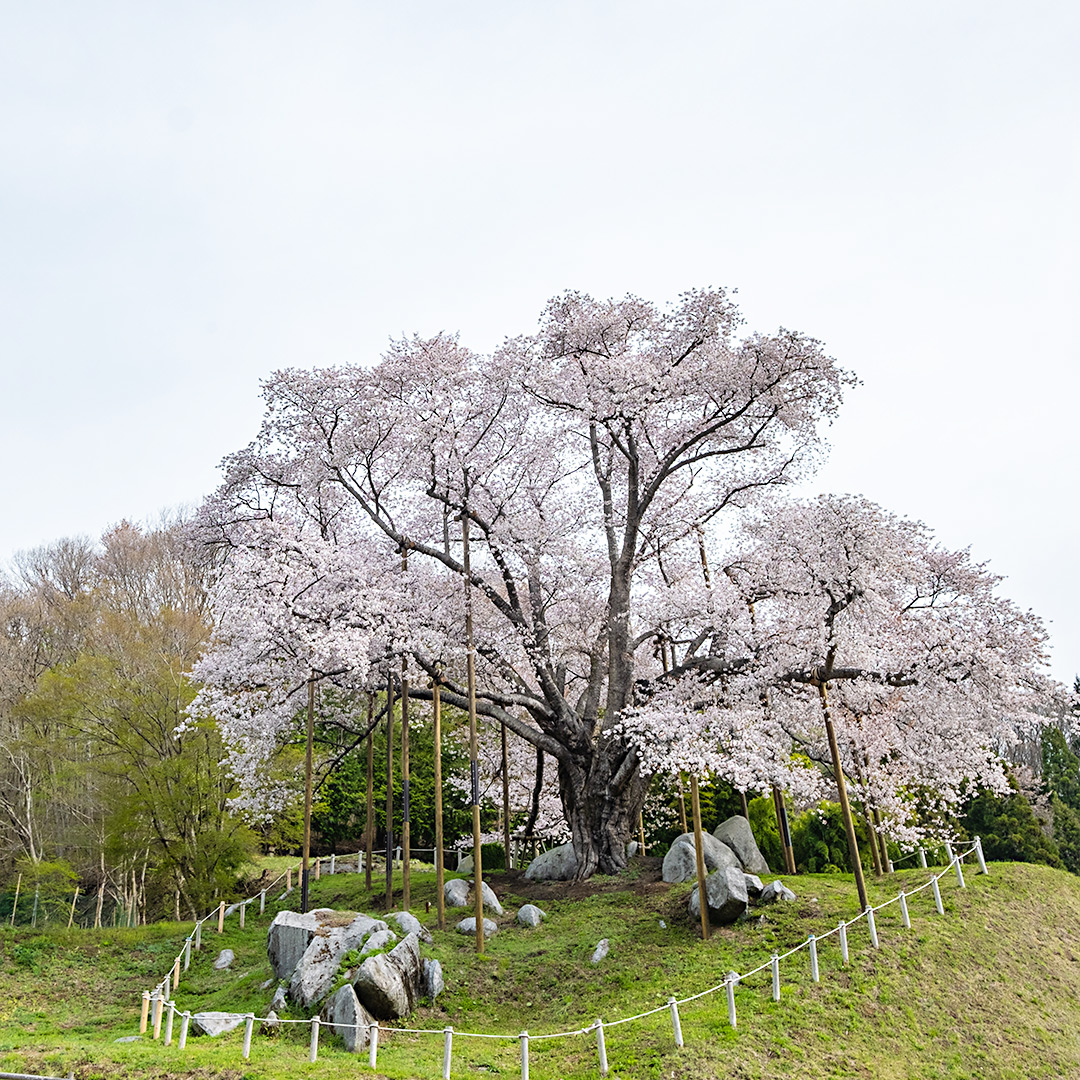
[[192, 195]]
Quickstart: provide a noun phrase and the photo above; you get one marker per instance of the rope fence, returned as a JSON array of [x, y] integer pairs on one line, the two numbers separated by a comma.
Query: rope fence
[[157, 1002]]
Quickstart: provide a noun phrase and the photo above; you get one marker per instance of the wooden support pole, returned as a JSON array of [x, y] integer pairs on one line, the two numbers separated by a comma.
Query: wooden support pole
[[307, 792], [18, 886], [389, 790], [699, 847], [440, 869], [508, 863], [406, 843], [474, 763], [845, 806], [369, 821]]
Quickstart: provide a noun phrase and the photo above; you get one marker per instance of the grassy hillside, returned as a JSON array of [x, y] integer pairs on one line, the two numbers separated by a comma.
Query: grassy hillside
[[992, 989]]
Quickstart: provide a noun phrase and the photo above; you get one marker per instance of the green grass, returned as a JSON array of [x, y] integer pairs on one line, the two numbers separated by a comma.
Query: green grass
[[990, 990]]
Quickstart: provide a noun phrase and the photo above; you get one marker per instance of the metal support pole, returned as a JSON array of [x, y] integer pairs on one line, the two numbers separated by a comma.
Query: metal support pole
[[873, 927], [448, 1049], [676, 1024]]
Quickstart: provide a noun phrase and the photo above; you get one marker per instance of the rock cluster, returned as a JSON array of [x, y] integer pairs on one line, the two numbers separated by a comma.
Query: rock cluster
[[732, 863], [308, 950]]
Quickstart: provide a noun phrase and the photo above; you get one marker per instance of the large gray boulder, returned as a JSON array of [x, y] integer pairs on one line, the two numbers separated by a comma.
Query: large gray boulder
[[456, 892], [490, 899], [558, 864], [287, 940], [315, 973], [390, 984], [468, 926], [347, 1018], [680, 863], [434, 984], [215, 1023], [225, 958], [737, 834], [725, 895], [775, 890], [530, 915], [408, 923], [381, 939]]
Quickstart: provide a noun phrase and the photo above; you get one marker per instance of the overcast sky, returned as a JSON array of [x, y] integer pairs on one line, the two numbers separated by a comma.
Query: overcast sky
[[193, 195]]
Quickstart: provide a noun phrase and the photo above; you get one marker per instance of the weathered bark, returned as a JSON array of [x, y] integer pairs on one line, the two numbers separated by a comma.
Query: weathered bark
[[602, 809]]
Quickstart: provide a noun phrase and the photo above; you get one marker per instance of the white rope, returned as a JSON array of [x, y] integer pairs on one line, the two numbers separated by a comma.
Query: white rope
[[958, 857]]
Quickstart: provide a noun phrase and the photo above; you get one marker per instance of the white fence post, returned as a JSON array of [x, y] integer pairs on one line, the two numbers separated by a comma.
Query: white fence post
[[187, 954], [159, 1002], [333, 864], [601, 1047], [873, 927], [447, 1052], [937, 895], [922, 858], [775, 977], [981, 857], [243, 908], [730, 981], [373, 1044], [313, 1053], [169, 1023], [814, 974], [198, 936], [185, 1023], [904, 911], [524, 1037], [676, 1024], [262, 902], [249, 1025], [948, 851], [843, 942], [960, 874]]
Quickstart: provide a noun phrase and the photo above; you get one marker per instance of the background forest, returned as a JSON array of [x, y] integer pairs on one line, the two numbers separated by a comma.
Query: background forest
[[100, 791]]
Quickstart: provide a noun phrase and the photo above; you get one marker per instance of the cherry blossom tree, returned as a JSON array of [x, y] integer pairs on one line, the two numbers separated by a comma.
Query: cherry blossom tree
[[580, 455]]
